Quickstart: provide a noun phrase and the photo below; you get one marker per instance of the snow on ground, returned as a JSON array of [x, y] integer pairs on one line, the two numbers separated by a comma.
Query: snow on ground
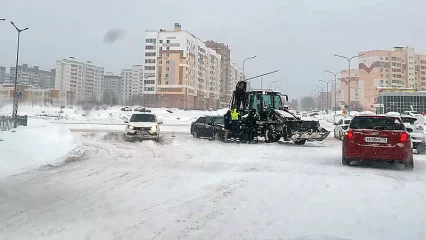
[[29, 147], [199, 189]]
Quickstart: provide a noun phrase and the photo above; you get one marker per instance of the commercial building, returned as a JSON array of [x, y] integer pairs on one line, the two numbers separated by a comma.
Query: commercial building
[[182, 71], [401, 100], [78, 81], [398, 68], [33, 76]]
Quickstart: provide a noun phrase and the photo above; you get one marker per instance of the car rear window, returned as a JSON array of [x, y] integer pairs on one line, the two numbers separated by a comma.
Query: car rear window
[[409, 120], [377, 123]]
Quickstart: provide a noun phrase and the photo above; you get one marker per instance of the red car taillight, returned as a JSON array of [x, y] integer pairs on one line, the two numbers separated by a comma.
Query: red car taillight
[[404, 137], [350, 134]]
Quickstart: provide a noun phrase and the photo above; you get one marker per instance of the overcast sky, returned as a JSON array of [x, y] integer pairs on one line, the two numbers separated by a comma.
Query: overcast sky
[[297, 37]]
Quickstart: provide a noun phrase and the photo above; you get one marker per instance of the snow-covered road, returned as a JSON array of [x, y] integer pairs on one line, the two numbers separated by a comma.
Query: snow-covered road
[[185, 188]]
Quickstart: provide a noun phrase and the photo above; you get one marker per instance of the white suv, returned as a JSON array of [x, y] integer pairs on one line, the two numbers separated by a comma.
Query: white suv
[[143, 126]]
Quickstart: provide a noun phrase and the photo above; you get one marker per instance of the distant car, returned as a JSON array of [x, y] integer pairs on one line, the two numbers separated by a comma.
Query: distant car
[[141, 109], [125, 109], [341, 127], [377, 138], [416, 131], [143, 126], [211, 127], [304, 114]]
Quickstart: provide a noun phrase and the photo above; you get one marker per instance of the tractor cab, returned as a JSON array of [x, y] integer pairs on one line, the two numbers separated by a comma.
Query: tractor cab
[[265, 100]]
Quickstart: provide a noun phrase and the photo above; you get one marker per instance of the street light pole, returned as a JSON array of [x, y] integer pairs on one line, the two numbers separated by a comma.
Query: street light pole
[[277, 88], [327, 82], [335, 89], [261, 75], [349, 77], [15, 95], [244, 61], [322, 90], [271, 83]]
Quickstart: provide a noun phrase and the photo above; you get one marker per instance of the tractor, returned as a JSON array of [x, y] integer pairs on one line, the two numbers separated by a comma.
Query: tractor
[[275, 120]]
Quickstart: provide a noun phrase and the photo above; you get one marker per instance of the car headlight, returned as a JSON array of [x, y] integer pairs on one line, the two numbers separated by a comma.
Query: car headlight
[[131, 127], [154, 128]]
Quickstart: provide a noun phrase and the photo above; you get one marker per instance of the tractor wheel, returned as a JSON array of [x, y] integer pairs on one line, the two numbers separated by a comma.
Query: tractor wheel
[[271, 134]]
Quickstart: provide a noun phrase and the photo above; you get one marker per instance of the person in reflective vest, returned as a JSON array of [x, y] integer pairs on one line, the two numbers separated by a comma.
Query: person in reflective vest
[[235, 125]]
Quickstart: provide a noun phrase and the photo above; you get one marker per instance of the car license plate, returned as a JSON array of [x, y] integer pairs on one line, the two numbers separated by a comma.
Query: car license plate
[[376, 140], [142, 132]]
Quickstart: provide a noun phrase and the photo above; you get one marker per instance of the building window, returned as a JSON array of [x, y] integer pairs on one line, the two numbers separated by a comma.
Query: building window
[[167, 68], [161, 41], [168, 41], [167, 48], [167, 75], [149, 47], [167, 62], [149, 67], [161, 48], [150, 54], [149, 60], [150, 40]]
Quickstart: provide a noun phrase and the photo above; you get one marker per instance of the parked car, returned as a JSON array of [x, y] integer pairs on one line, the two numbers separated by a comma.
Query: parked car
[[304, 114], [416, 131], [125, 109], [378, 138], [143, 126], [341, 127], [211, 127], [141, 109]]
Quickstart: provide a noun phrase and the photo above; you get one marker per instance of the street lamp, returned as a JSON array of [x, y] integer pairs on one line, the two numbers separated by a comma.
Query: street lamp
[[277, 88], [322, 90], [327, 82], [271, 84], [349, 77], [244, 61], [261, 75], [335, 89], [15, 95]]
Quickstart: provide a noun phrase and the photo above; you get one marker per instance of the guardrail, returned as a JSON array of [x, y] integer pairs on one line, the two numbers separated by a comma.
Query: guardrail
[[8, 123]]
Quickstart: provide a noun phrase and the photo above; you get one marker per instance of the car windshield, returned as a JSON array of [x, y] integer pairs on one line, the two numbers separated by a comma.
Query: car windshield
[[377, 123], [409, 120], [142, 118]]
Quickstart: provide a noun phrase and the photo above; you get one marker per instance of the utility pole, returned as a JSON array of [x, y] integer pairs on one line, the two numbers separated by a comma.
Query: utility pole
[[15, 95], [349, 77]]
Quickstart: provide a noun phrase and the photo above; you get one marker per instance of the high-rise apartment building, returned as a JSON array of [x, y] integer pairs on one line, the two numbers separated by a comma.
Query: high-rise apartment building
[[2, 74], [111, 88], [78, 81], [398, 68], [33, 76], [226, 86], [182, 71], [132, 85]]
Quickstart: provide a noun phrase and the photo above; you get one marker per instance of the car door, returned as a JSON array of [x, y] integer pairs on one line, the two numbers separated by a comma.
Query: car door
[[208, 128], [199, 126]]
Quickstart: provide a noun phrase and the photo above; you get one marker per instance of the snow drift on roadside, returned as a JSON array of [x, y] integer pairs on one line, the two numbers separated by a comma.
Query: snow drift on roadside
[[30, 147]]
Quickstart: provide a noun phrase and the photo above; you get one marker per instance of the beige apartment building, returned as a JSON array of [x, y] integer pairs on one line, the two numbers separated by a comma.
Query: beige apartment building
[[181, 71], [397, 68]]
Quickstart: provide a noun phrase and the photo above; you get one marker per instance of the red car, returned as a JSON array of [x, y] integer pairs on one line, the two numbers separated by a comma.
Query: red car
[[377, 138]]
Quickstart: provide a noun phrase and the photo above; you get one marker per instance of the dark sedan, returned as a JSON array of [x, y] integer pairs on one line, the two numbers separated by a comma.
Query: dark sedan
[[211, 127]]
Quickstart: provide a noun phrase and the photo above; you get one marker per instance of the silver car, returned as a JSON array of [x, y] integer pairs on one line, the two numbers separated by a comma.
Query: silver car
[[341, 127]]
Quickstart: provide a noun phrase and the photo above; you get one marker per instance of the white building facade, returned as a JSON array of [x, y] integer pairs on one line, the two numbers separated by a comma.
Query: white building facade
[[78, 81]]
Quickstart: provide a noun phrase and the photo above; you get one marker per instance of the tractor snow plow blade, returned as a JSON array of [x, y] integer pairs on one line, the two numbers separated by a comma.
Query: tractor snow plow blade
[[307, 130], [310, 136]]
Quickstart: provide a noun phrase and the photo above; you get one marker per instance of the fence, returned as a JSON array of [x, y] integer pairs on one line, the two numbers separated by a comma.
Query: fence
[[7, 123]]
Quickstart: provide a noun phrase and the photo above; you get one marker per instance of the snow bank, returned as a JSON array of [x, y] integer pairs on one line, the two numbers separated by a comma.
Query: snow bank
[[29, 147]]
